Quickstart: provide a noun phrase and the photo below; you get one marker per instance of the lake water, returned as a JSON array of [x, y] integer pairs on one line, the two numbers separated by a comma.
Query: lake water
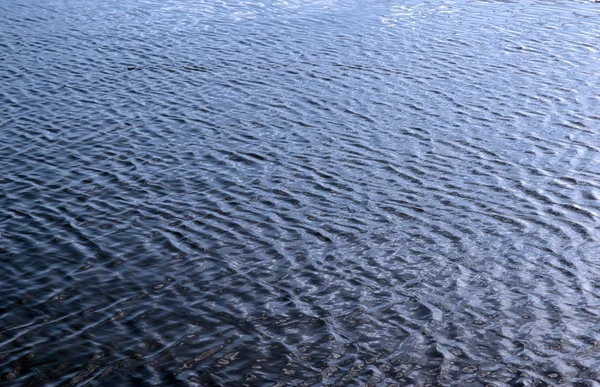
[[299, 193]]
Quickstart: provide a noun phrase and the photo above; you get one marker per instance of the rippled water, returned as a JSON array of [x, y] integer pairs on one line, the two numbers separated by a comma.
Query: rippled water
[[303, 192]]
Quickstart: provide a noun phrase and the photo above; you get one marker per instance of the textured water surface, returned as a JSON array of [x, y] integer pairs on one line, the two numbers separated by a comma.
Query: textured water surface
[[299, 193]]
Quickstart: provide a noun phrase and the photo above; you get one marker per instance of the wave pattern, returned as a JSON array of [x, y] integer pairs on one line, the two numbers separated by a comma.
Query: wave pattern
[[298, 193]]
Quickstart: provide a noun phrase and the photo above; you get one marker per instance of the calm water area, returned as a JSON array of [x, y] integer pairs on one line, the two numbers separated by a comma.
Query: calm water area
[[299, 193]]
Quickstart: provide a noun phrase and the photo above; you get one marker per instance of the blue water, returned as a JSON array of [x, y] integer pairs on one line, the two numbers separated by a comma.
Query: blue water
[[299, 193]]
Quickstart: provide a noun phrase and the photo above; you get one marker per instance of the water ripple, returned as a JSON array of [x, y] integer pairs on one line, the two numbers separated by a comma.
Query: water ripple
[[275, 193]]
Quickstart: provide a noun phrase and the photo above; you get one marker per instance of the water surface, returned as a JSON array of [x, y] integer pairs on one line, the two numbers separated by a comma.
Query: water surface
[[297, 193]]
